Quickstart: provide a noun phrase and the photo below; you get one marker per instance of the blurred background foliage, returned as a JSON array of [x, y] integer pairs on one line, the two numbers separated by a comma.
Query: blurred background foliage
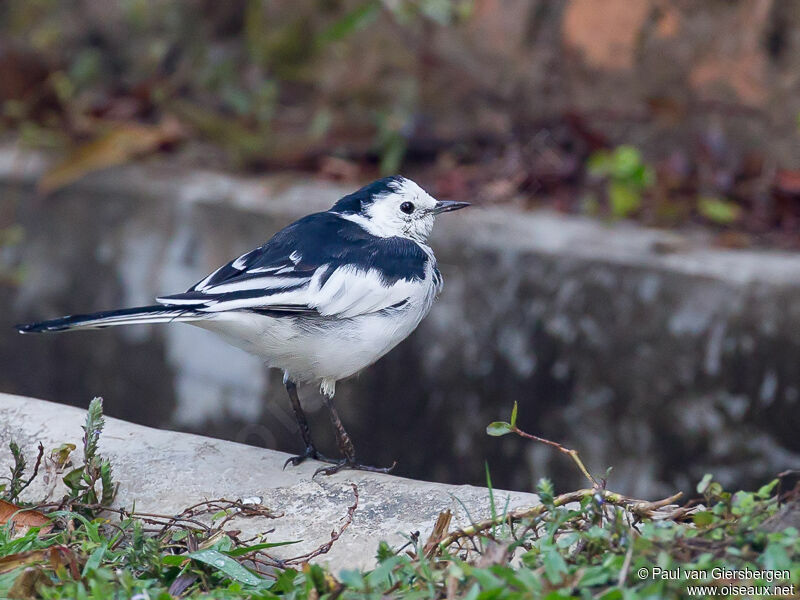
[[677, 114], [252, 78]]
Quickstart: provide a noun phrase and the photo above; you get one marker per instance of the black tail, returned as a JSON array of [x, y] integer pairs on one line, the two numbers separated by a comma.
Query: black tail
[[126, 316]]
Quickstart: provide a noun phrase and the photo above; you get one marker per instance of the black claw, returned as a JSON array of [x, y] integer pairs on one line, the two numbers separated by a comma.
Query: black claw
[[294, 461], [353, 466], [311, 453]]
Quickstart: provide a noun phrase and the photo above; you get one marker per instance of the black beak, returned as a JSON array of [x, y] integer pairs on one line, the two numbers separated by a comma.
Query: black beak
[[448, 205]]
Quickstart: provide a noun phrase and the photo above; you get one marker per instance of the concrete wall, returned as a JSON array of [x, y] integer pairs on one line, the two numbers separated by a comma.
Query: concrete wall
[[647, 351]]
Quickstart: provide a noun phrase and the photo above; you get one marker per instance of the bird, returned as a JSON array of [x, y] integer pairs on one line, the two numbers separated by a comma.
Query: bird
[[322, 299]]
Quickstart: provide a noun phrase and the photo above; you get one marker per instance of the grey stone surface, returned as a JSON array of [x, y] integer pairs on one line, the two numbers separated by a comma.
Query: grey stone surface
[[164, 472], [648, 351]]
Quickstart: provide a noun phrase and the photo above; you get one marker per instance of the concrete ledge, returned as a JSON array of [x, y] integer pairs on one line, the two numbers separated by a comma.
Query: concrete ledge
[[164, 472]]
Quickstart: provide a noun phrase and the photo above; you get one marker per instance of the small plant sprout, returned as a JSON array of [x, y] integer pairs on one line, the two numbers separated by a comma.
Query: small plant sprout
[[500, 428]]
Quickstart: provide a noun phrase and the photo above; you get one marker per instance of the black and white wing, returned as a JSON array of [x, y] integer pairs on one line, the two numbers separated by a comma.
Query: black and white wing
[[322, 264]]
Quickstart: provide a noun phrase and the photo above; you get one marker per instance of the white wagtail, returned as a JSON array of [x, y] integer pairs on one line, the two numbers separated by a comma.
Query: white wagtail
[[325, 297]]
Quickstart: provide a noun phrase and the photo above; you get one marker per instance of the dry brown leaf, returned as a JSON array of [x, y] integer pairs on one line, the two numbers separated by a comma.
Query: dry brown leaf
[[119, 145], [440, 530], [14, 561], [56, 556], [787, 181], [26, 584], [23, 519]]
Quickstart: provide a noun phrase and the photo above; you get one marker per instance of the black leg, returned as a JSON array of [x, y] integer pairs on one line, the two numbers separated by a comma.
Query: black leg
[[305, 430], [345, 447]]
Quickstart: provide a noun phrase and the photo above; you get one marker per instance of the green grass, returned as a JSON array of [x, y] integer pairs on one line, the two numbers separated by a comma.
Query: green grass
[[586, 544]]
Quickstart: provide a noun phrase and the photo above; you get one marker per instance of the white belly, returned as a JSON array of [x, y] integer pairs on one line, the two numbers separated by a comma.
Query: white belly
[[311, 348]]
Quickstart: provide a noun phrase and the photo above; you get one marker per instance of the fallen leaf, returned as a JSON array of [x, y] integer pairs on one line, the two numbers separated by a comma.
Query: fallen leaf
[[119, 145], [56, 555], [13, 561], [23, 519], [26, 584]]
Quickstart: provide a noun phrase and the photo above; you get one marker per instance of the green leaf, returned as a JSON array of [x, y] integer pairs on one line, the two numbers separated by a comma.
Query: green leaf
[[488, 581], [599, 163], [743, 503], [498, 428], [285, 582], [74, 480], [355, 19], [545, 489], [514, 415], [718, 210], [179, 535], [17, 471], [382, 574], [595, 575], [174, 560], [775, 557], [554, 564], [492, 507], [627, 173], [91, 431], [109, 488], [624, 198], [227, 565], [352, 579], [765, 491], [625, 161], [704, 482], [715, 491], [473, 592], [703, 519], [256, 547], [223, 544], [93, 562]]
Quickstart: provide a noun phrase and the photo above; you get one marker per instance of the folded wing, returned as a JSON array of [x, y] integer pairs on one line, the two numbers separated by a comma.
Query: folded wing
[[323, 265]]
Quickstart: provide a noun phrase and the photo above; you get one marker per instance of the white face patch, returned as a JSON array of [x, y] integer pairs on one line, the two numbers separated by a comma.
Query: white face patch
[[405, 212]]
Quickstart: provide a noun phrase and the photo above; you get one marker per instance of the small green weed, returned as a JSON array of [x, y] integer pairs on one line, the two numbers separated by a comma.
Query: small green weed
[[627, 177]]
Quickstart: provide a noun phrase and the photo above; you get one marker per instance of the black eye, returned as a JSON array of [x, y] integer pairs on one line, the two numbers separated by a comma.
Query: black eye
[[407, 207]]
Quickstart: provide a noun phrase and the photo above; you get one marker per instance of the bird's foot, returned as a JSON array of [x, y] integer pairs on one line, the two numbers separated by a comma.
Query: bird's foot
[[352, 465], [311, 453]]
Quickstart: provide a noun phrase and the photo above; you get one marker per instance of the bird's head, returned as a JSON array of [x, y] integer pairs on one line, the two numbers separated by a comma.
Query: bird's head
[[394, 206]]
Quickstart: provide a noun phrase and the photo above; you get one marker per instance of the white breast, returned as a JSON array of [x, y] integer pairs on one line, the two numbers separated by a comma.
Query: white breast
[[319, 347]]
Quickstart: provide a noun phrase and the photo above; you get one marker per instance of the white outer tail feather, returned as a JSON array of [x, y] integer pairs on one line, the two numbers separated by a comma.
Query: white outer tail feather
[[126, 316]]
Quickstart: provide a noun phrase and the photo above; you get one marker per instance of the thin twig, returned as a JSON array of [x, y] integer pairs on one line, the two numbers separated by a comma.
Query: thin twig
[[35, 470], [573, 454], [335, 535], [626, 564], [641, 508]]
